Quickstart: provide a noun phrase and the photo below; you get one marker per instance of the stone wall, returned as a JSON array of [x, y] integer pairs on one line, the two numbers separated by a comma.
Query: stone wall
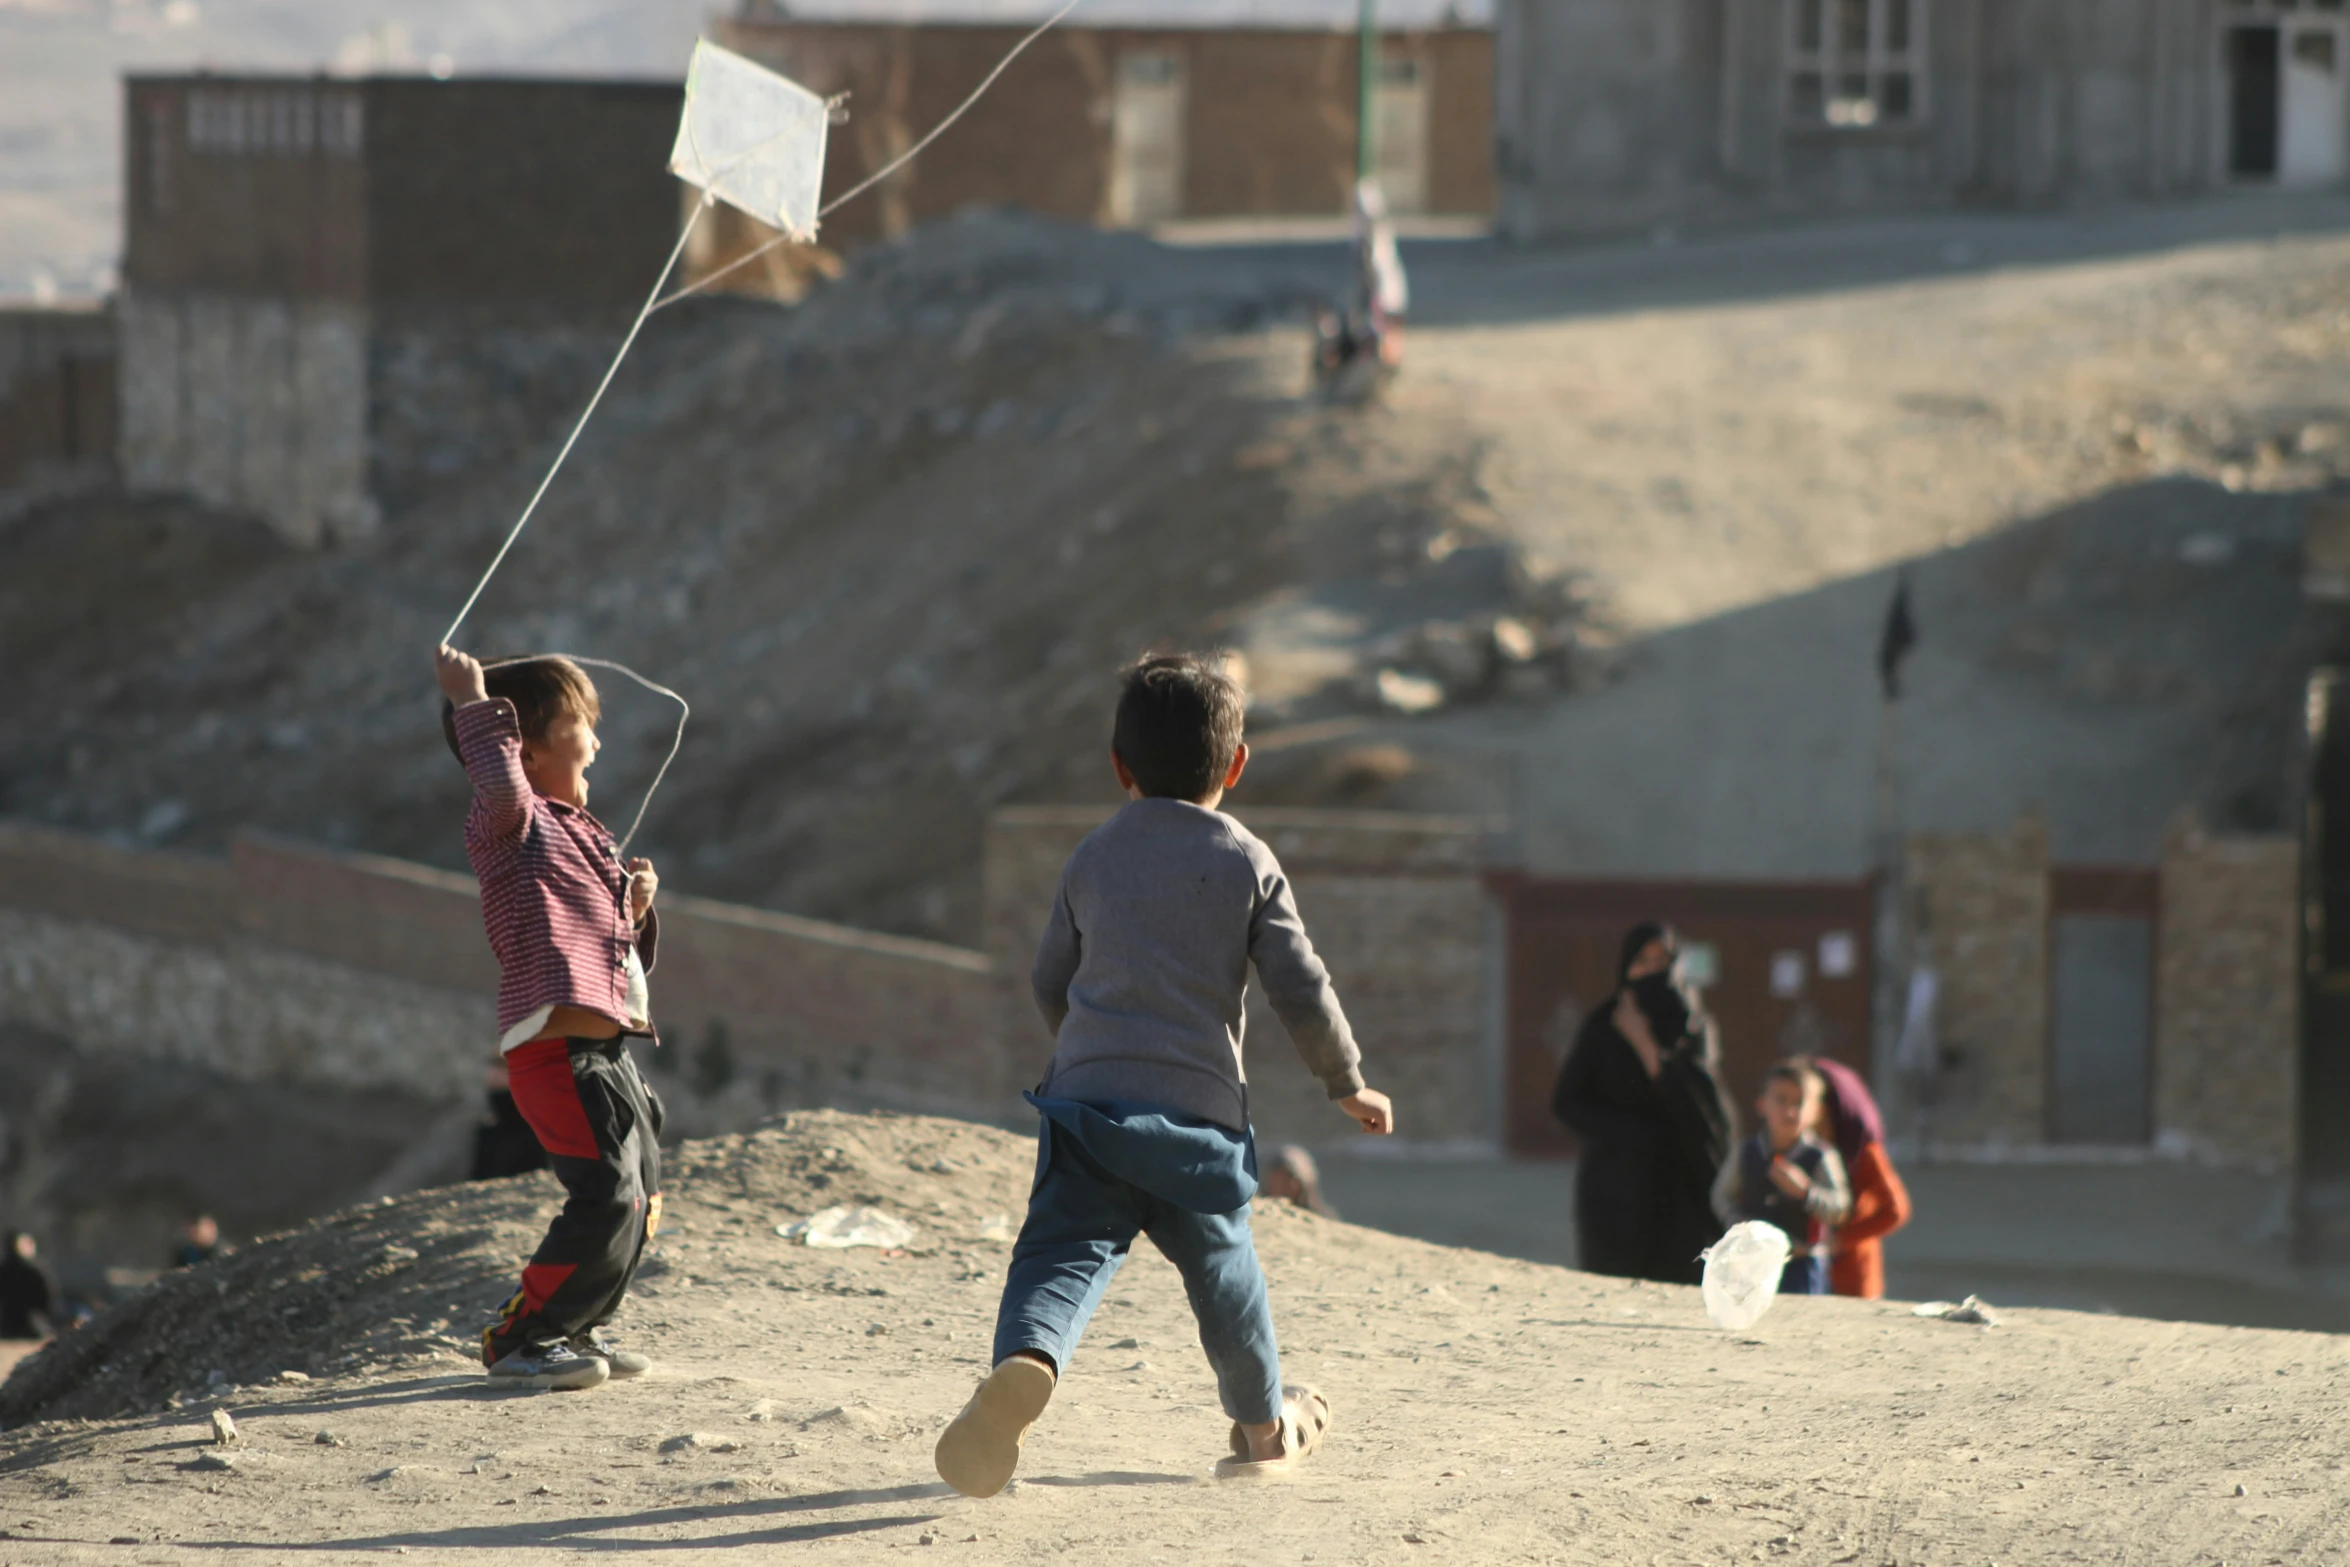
[[1979, 909], [1397, 907], [1616, 115], [2228, 986], [250, 404], [340, 970]]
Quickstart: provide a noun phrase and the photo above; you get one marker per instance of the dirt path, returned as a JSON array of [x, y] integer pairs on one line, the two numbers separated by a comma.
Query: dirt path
[[1487, 1410]]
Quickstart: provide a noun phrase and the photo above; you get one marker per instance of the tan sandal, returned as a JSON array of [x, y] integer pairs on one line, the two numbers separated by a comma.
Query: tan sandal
[[981, 1447], [1305, 1420]]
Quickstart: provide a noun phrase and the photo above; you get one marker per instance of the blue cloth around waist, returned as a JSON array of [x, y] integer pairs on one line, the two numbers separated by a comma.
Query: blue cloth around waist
[[1177, 1158]]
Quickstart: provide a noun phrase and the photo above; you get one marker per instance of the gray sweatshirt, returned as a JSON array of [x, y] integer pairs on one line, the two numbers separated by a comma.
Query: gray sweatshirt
[[1144, 966]]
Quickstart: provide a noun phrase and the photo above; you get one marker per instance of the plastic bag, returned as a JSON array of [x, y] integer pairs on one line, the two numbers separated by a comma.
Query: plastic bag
[[753, 139], [835, 1229], [1742, 1273]]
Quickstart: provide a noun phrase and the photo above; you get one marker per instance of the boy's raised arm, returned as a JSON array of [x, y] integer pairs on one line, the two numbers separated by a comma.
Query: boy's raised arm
[[489, 743]]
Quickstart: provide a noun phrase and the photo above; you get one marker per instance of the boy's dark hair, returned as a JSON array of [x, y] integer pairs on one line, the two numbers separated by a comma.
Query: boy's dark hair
[[1178, 726], [541, 689]]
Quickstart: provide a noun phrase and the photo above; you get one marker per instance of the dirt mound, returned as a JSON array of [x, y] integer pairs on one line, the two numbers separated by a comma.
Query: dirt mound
[[408, 1283], [1498, 1411], [893, 544]]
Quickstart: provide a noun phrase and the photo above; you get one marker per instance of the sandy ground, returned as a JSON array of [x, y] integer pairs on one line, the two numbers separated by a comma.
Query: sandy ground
[[1487, 1410]]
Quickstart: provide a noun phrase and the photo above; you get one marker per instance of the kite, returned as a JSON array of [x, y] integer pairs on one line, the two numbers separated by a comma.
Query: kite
[[755, 140]]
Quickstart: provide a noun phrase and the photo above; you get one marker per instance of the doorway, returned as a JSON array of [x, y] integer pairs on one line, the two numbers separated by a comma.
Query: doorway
[[1783, 967], [2254, 91], [2101, 1003], [1146, 141], [2288, 85], [1400, 147]]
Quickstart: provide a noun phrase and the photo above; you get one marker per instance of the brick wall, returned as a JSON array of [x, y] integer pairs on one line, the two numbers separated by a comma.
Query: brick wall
[[1396, 906], [349, 970], [2227, 988], [56, 401], [1269, 117], [1980, 908]]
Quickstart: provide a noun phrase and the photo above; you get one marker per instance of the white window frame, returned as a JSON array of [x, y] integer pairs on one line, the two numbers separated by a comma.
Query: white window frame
[[1833, 68]]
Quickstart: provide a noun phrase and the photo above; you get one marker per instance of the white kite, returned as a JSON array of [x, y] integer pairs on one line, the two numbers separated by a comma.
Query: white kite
[[752, 139]]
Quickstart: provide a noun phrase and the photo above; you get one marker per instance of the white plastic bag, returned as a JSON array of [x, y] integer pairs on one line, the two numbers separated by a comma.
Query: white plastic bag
[[834, 1229], [753, 139], [1742, 1273]]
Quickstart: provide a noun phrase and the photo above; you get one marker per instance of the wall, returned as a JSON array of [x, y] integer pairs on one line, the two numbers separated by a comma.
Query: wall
[[245, 185], [1624, 114], [347, 970], [56, 401], [249, 403], [1269, 116], [1396, 907], [1979, 910], [549, 197], [2228, 987]]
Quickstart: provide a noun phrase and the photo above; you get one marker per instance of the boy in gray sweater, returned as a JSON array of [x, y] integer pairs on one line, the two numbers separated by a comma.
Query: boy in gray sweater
[[1144, 1130]]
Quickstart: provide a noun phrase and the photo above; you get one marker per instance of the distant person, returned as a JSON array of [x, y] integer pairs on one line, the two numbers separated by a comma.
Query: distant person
[[1880, 1203], [574, 933], [1785, 1175], [1642, 1089], [1379, 276], [199, 1242], [504, 1144], [28, 1296], [1141, 975], [1294, 1177]]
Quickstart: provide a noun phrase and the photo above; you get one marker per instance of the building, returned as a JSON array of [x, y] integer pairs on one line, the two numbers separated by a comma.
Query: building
[[1618, 115], [335, 289], [1140, 111]]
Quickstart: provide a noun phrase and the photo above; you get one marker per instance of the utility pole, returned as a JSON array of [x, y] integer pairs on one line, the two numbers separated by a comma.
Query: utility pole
[[1367, 96]]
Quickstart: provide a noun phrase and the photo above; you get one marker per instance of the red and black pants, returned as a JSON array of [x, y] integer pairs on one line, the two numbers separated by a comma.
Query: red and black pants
[[601, 1126]]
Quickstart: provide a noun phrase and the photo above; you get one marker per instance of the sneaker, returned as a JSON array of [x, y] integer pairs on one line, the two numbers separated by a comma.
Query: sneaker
[[624, 1362], [550, 1366]]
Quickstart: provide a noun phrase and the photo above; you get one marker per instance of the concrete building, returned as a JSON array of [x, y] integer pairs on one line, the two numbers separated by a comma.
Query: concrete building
[[1139, 111], [334, 289], [1616, 115]]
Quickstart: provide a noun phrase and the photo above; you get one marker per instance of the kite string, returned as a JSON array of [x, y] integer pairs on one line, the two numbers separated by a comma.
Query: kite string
[[887, 169], [654, 301], [586, 414]]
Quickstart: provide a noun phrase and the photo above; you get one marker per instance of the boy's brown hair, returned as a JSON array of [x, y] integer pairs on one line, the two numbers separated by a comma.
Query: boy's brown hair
[[541, 689], [1178, 726]]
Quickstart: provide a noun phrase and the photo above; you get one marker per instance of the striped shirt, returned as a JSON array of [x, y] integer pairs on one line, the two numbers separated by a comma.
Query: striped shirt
[[554, 895]]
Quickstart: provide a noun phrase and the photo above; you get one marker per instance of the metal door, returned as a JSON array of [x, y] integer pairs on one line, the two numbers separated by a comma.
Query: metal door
[[2316, 111]]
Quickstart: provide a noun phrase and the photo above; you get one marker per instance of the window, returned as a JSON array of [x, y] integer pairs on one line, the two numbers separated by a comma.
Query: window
[[1856, 63]]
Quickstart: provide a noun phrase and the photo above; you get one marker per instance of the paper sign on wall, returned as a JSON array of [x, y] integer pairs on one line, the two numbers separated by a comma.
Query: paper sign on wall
[[1786, 975], [1839, 955]]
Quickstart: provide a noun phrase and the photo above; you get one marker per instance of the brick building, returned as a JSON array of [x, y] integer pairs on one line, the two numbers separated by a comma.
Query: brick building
[[1616, 114], [1138, 111], [333, 289]]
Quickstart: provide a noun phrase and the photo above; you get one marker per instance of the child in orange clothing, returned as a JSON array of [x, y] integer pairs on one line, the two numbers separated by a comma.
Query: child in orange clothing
[[1880, 1203]]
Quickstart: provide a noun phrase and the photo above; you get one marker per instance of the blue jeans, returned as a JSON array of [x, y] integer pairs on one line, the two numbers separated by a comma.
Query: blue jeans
[[1082, 1222], [1804, 1276]]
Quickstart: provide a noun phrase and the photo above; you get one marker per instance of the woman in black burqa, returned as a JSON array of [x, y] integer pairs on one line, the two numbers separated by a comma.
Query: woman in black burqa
[[1642, 1088]]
